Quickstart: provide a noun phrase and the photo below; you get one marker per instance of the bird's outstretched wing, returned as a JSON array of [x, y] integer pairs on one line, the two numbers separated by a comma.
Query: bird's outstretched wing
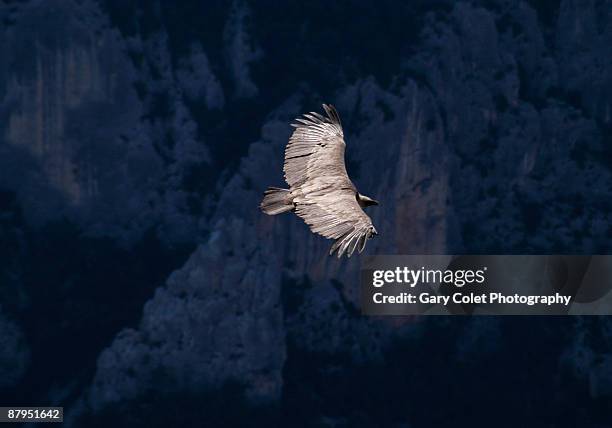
[[324, 196], [335, 214], [316, 148]]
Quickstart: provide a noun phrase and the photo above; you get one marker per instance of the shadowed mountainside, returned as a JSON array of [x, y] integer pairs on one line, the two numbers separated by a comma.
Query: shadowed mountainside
[[145, 129]]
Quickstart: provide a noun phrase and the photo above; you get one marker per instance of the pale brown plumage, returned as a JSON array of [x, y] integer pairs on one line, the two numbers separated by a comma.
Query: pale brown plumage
[[320, 191]]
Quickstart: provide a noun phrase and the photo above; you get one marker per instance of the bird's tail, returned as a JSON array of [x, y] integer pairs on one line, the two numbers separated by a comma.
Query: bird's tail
[[276, 201]]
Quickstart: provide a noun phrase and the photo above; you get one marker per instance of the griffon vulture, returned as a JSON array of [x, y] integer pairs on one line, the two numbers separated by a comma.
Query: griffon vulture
[[320, 191]]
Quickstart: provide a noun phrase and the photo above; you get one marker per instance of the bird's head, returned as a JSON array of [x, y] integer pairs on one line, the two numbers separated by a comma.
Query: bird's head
[[364, 201]]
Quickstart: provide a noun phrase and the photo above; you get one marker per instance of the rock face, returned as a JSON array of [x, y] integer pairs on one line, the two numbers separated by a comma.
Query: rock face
[[485, 128], [14, 352], [588, 356], [219, 319], [76, 130]]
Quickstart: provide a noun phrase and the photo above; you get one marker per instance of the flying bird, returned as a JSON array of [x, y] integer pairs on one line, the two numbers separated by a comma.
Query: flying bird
[[320, 191]]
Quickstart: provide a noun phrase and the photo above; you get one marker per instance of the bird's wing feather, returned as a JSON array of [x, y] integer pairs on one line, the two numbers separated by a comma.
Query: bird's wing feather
[[315, 149]]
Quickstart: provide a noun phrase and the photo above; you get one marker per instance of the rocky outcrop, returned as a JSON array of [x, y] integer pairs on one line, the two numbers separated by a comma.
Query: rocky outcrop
[[240, 51], [81, 136], [219, 319], [588, 356], [197, 81], [583, 32], [14, 352]]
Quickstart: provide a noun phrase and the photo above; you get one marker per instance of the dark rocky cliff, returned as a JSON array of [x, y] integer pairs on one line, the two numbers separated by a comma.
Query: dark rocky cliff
[[481, 126]]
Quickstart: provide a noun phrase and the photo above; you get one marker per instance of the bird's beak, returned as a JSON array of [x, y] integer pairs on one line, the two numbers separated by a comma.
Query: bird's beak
[[367, 201]]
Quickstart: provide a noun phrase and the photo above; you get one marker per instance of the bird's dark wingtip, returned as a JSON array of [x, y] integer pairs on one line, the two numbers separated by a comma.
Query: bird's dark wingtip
[[332, 113]]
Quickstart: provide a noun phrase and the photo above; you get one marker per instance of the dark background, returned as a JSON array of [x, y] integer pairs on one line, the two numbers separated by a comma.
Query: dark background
[[140, 286]]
